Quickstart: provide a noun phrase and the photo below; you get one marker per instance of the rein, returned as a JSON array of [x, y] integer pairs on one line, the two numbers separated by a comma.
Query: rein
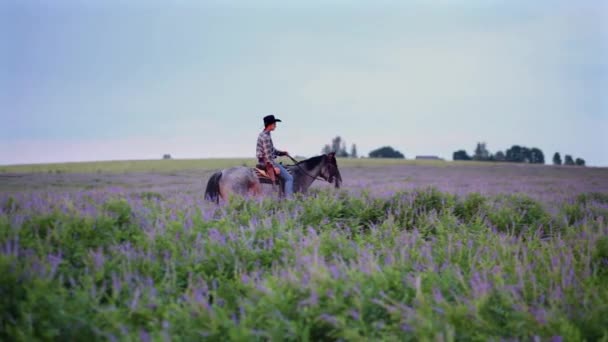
[[302, 169]]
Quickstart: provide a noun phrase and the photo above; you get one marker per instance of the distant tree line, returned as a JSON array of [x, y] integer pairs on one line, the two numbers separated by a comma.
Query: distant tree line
[[386, 152], [568, 160], [516, 154], [338, 145]]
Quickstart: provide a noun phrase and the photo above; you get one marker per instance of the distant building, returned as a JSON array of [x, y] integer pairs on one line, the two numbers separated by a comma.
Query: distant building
[[428, 158]]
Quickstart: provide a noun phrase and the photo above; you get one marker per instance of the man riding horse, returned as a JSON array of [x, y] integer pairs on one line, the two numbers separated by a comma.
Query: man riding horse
[[266, 154], [245, 180]]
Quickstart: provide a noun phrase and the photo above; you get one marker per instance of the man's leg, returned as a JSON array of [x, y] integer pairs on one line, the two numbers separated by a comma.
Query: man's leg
[[287, 178]]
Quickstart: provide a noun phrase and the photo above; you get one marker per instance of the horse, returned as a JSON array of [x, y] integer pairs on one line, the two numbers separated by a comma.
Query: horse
[[247, 181]]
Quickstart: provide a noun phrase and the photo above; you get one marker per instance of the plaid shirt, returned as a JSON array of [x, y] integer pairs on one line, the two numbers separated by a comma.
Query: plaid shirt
[[265, 150]]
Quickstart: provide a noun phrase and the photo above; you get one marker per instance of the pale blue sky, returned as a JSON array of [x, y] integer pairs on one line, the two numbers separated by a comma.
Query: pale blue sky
[[99, 80]]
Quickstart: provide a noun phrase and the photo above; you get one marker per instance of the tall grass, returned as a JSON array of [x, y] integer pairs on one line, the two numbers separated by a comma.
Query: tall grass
[[419, 265]]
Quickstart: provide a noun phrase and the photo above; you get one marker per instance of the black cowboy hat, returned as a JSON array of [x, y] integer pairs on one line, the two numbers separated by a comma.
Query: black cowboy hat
[[270, 119]]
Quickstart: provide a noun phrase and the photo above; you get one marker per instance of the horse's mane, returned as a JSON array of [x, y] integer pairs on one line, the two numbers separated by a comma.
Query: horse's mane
[[314, 161]]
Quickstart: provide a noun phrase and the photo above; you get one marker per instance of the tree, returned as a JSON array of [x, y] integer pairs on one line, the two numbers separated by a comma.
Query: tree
[[557, 159], [537, 156], [353, 151], [580, 162], [481, 152], [526, 154], [515, 154], [338, 146], [522, 154], [342, 151], [568, 160], [166, 156], [460, 155], [386, 152], [500, 156]]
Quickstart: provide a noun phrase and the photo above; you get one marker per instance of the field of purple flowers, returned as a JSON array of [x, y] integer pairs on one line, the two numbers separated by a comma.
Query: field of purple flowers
[[402, 252]]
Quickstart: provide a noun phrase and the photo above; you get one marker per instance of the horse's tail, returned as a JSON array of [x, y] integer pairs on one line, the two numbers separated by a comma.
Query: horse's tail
[[212, 193]]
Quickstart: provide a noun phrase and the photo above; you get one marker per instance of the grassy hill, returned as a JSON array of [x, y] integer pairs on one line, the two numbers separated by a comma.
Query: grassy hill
[[405, 251], [173, 165]]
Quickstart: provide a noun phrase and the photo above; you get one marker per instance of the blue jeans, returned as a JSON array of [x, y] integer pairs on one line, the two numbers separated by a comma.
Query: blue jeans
[[287, 178]]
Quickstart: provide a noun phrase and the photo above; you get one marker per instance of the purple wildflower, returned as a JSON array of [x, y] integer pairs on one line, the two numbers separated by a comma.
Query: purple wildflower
[[335, 271], [144, 336], [116, 284], [437, 295], [313, 300], [135, 300], [217, 237], [329, 319], [54, 261], [98, 258], [540, 315], [480, 285]]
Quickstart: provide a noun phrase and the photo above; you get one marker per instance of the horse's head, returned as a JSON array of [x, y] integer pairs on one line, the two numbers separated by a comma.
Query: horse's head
[[330, 171]]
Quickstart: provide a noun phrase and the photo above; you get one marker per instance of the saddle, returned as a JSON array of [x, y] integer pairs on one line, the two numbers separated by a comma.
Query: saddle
[[266, 173]]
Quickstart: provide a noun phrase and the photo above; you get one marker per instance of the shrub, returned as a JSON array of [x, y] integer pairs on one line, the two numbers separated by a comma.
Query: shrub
[[518, 214], [472, 206]]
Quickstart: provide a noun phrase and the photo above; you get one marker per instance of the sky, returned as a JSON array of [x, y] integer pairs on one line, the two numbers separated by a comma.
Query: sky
[[85, 80]]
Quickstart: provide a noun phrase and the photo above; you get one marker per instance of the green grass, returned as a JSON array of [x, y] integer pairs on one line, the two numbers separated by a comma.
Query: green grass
[[175, 165], [128, 166]]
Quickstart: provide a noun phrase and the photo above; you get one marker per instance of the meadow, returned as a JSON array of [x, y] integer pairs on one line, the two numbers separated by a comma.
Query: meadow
[[405, 250]]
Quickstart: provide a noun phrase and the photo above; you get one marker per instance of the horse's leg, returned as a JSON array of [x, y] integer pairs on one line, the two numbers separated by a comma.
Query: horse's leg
[[255, 188], [224, 191], [281, 189]]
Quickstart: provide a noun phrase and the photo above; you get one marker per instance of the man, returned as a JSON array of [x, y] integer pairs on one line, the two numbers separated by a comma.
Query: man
[[266, 153]]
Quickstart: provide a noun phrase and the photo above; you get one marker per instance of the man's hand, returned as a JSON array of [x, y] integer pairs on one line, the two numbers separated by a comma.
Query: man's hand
[[277, 170]]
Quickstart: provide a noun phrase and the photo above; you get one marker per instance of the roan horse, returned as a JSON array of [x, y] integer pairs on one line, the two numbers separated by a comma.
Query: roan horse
[[245, 180]]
